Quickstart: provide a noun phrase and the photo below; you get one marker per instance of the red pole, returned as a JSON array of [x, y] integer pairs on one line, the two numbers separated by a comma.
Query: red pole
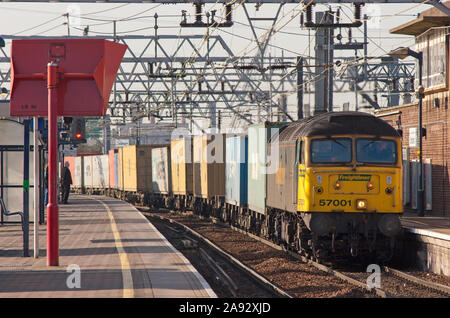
[[52, 207]]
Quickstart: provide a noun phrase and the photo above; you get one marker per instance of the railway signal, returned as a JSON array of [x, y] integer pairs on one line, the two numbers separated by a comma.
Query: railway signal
[[77, 130]]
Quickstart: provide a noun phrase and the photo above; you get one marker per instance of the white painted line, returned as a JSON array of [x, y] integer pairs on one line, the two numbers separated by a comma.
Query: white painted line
[[191, 268], [429, 233]]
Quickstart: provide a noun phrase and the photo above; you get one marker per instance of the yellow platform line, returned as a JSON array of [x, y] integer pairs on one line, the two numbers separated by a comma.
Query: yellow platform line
[[128, 290]]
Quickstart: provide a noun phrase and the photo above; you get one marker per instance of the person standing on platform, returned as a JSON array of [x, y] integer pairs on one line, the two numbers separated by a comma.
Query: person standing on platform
[[66, 181]]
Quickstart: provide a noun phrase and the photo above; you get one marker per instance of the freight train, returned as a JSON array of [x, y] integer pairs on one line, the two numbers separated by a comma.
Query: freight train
[[328, 185]]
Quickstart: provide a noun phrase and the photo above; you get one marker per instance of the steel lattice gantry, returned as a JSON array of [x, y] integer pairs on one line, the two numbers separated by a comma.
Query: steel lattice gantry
[[436, 3], [156, 80]]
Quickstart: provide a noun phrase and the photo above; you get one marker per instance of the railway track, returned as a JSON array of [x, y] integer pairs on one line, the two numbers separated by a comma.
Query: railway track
[[435, 287], [398, 284], [394, 283], [228, 276], [263, 281]]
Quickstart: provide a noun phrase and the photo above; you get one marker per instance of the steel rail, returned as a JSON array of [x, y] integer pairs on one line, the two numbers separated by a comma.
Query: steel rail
[[431, 285], [379, 292], [258, 278]]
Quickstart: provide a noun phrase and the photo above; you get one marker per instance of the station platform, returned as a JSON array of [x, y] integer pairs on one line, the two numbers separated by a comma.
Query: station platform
[[107, 249], [426, 242]]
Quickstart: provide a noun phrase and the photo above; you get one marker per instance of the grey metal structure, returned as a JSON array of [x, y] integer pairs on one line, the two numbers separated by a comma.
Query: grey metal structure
[[175, 78], [436, 3]]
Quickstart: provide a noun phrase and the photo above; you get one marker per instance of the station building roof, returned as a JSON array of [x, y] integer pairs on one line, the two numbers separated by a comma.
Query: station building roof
[[427, 19]]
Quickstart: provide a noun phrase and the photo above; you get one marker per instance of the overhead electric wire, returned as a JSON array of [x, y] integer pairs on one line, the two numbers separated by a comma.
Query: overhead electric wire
[[39, 25], [50, 29], [207, 37], [106, 10]]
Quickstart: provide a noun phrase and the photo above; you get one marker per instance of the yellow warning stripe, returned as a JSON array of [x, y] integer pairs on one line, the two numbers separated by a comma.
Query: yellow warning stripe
[[128, 290]]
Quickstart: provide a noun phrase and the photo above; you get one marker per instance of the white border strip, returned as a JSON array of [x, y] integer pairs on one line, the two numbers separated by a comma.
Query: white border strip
[[442, 236], [191, 268]]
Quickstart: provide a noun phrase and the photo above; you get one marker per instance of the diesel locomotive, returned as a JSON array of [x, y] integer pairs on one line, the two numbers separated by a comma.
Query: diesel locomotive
[[337, 188]]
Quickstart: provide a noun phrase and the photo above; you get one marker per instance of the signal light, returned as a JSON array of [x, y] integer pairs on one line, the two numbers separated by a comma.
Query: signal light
[[77, 129]]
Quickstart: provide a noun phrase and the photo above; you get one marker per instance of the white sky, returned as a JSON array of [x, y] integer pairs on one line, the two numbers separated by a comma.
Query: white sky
[[17, 17]]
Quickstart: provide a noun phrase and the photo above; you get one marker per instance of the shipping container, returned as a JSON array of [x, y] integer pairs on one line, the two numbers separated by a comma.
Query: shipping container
[[78, 177], [209, 175], [112, 163], [137, 168], [161, 170], [181, 157], [236, 170], [260, 164], [120, 169], [100, 172], [87, 165], [196, 165], [116, 170]]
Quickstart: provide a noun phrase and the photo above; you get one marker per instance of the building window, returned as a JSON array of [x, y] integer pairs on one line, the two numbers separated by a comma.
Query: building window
[[433, 44]]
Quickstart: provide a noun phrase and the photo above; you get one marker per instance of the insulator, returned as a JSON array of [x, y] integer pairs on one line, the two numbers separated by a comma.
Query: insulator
[[309, 14], [302, 19], [198, 12], [228, 12], [358, 11]]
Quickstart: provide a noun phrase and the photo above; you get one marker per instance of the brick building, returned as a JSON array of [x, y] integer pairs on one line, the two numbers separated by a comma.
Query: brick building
[[431, 30]]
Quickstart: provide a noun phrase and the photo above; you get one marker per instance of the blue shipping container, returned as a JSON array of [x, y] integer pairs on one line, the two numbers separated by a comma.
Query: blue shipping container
[[236, 170], [116, 181]]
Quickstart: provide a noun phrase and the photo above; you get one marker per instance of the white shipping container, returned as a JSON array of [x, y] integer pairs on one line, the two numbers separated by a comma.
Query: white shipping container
[[100, 172], [79, 177], [88, 180], [161, 170]]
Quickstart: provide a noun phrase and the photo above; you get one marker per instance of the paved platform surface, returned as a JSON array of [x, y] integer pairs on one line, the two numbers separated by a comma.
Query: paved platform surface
[[437, 227], [118, 252]]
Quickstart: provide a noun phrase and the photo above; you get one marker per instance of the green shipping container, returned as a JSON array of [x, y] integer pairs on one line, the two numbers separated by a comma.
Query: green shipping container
[[260, 164]]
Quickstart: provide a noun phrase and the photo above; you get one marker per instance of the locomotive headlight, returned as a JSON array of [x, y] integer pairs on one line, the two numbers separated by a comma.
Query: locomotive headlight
[[319, 190], [389, 190], [370, 186], [361, 204]]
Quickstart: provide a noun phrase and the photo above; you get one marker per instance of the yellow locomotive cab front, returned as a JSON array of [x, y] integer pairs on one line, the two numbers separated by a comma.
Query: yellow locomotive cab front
[[350, 185]]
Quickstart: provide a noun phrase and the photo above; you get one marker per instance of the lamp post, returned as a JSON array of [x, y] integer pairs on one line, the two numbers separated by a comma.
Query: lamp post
[[402, 53]]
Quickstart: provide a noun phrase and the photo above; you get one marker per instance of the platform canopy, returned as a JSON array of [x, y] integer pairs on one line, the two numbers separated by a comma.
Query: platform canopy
[[427, 19]]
